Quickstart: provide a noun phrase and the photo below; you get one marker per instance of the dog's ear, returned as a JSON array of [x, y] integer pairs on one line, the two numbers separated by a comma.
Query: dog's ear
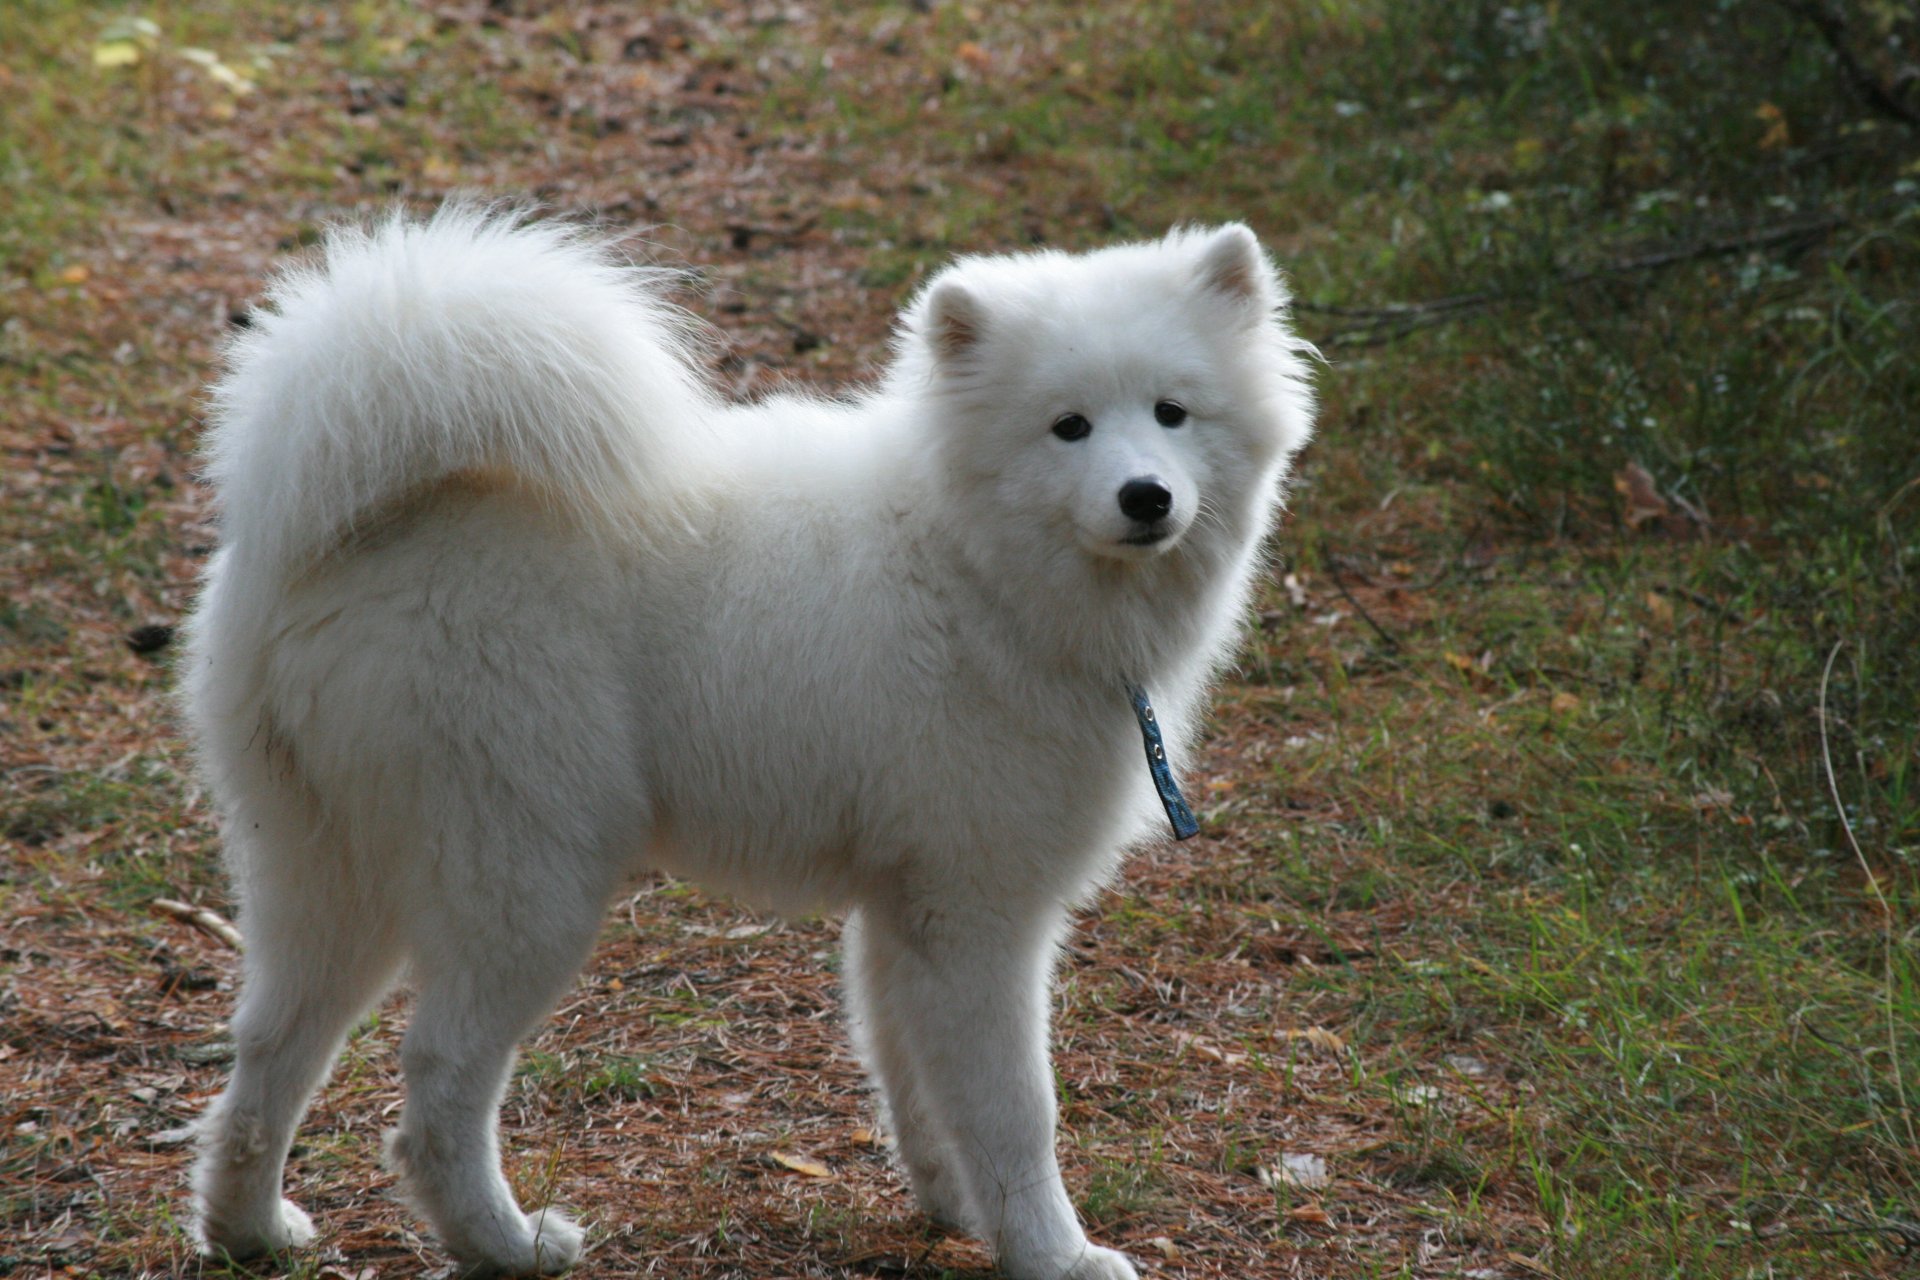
[[1231, 264], [955, 321]]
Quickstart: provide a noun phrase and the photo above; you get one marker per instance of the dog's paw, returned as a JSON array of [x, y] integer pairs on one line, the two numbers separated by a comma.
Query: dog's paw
[[1088, 1262], [945, 1216], [552, 1243], [1101, 1264], [557, 1241], [285, 1226], [937, 1193]]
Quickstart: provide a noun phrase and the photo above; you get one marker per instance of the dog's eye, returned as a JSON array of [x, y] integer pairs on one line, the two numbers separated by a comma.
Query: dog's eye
[[1072, 426], [1169, 413]]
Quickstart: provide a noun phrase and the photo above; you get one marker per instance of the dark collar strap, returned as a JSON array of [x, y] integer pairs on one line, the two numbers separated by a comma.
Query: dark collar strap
[[1178, 814]]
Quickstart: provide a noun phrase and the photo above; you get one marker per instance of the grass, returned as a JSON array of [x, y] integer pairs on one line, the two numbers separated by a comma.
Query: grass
[[1564, 807]]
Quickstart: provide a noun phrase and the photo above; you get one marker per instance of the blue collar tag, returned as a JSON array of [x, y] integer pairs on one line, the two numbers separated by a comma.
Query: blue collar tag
[[1178, 814]]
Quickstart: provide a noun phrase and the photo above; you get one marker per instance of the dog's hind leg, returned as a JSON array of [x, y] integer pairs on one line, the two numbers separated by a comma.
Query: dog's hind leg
[[962, 997], [316, 957], [493, 958]]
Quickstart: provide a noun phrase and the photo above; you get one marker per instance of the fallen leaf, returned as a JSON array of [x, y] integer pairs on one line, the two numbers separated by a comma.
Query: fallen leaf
[[1212, 1053], [800, 1164], [1309, 1213], [225, 75], [1565, 704], [1318, 1037], [115, 53], [1300, 1169], [1167, 1248], [1644, 503]]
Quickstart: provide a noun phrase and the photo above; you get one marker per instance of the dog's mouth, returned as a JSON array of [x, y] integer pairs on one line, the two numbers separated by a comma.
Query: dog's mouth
[[1143, 541], [1148, 535]]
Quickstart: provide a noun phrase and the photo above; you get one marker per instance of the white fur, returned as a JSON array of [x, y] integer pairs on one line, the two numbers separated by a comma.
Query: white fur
[[510, 607]]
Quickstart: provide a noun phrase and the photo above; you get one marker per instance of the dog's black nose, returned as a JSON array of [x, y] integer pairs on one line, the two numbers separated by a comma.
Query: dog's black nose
[[1145, 499]]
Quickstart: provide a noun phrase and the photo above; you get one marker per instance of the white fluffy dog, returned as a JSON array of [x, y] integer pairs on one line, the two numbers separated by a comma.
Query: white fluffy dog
[[510, 607]]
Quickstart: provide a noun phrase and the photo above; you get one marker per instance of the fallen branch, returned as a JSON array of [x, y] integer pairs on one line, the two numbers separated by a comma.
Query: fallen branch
[[211, 923], [1376, 325], [1700, 601], [1889, 99], [1333, 572], [1906, 1235]]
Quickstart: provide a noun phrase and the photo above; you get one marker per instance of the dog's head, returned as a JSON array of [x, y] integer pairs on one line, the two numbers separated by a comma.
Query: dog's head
[[1117, 399]]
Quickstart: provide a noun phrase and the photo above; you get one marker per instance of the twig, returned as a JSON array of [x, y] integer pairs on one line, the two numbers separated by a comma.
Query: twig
[[1333, 571], [1752, 238], [1906, 1233], [1397, 319], [211, 923], [1873, 91], [1699, 601], [1873, 883]]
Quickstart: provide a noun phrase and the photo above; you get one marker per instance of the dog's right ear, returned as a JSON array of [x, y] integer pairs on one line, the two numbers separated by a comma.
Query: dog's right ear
[[954, 323]]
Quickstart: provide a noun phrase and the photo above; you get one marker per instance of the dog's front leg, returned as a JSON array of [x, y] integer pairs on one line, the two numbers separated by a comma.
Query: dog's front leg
[[964, 994]]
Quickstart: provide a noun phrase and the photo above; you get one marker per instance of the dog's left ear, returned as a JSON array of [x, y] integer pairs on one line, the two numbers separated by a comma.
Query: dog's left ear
[[1233, 266]]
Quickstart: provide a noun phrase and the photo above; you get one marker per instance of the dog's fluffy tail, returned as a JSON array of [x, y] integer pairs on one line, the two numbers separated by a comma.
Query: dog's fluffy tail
[[473, 341]]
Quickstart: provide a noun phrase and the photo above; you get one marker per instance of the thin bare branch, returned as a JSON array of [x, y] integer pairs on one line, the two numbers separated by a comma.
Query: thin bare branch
[[211, 923], [1376, 325]]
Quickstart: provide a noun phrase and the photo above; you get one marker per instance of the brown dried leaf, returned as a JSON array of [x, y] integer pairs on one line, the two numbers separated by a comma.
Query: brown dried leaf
[[800, 1164], [1644, 503], [1211, 1052], [974, 56], [1318, 1037]]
